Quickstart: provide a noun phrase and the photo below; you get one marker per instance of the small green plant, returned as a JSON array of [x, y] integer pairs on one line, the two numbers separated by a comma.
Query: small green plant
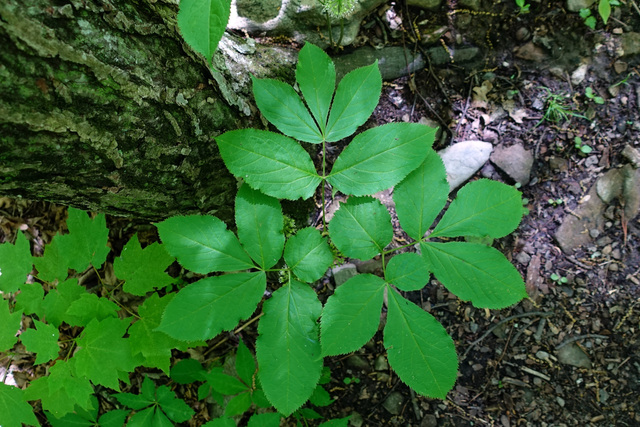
[[556, 108], [555, 202], [590, 94], [581, 146], [351, 380], [604, 10], [557, 279], [523, 5]]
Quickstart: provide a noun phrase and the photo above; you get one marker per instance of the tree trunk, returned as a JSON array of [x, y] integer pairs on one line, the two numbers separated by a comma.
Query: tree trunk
[[104, 107]]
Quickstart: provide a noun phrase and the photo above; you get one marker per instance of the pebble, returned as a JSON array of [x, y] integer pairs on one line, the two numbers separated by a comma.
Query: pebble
[[613, 267], [381, 363], [393, 403], [429, 420], [616, 254], [356, 420], [594, 232], [560, 401], [542, 355]]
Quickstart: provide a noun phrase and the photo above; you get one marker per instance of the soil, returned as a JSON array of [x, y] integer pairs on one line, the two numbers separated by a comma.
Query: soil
[[517, 364]]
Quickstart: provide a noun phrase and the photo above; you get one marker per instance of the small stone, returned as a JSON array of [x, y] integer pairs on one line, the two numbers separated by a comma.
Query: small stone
[[620, 66], [343, 273], [429, 420], [573, 355], [381, 364], [632, 154], [523, 258], [560, 401], [579, 74], [530, 52], [523, 34], [606, 250], [559, 164], [630, 43], [576, 5], [515, 161], [542, 355], [358, 362], [609, 185], [613, 267], [356, 420], [393, 403], [463, 159], [616, 254], [594, 232]]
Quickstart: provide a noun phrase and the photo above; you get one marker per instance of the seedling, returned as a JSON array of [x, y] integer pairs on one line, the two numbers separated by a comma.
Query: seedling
[[559, 280], [581, 146], [557, 109], [555, 202], [523, 5], [350, 380], [604, 10], [590, 94]]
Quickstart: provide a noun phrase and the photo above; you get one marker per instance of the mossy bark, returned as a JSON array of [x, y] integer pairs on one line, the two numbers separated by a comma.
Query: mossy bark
[[104, 107]]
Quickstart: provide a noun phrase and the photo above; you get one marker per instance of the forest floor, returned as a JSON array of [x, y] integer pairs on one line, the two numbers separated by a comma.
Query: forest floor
[[569, 355]]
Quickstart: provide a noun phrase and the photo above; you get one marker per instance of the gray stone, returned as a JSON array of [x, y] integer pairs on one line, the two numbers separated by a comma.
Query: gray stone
[[393, 403], [358, 362], [630, 43], [573, 355], [381, 364], [343, 273], [391, 61], [632, 154], [356, 420], [515, 161], [424, 4], [609, 185], [440, 55], [470, 4], [576, 5], [429, 420], [631, 192], [259, 11], [464, 159], [574, 230], [579, 74]]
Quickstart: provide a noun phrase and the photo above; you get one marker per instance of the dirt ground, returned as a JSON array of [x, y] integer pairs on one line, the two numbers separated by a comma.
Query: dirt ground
[[568, 355]]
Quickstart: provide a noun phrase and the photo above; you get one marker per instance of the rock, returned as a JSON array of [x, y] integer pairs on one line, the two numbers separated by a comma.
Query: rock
[[440, 55], [343, 273], [632, 154], [358, 362], [429, 420], [579, 74], [424, 4], [391, 61], [530, 52], [631, 192], [576, 5], [609, 185], [393, 403], [381, 364], [463, 159], [630, 43], [573, 355], [470, 4], [558, 164], [570, 235], [258, 11], [515, 161], [356, 420]]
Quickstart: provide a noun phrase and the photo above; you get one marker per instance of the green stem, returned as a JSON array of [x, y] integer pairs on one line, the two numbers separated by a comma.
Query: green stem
[[324, 174]]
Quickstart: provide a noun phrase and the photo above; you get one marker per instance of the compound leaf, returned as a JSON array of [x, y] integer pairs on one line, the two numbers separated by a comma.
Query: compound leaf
[[114, 418], [351, 315], [86, 243], [15, 264], [287, 348], [223, 383], [238, 404], [11, 323], [361, 227], [475, 272], [203, 309], [14, 411], [316, 77], [139, 401], [146, 418], [143, 269], [356, 97], [202, 244], [420, 197], [282, 106], [381, 157], [176, 409], [103, 352], [272, 163], [43, 341], [308, 254], [202, 24], [407, 271], [419, 349], [260, 222], [482, 208]]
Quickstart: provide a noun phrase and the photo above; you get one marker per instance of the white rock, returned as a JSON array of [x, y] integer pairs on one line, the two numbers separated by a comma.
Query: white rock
[[579, 74], [464, 159]]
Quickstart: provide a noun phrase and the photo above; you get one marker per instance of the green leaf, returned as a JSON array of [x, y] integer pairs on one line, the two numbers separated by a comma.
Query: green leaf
[[223, 422], [176, 409], [336, 422], [320, 396], [143, 269], [144, 418], [154, 346], [11, 323], [86, 243], [351, 315], [223, 383], [238, 404], [43, 340], [88, 307], [308, 254], [245, 363], [113, 418], [419, 349], [316, 77], [407, 271], [29, 300], [58, 300], [420, 197], [103, 353], [282, 106], [203, 244], [15, 264], [381, 157], [202, 24], [356, 97], [475, 272], [361, 228], [139, 401], [260, 222], [203, 309], [287, 347], [604, 9], [482, 208], [272, 163], [271, 419], [187, 371], [52, 265], [14, 411]]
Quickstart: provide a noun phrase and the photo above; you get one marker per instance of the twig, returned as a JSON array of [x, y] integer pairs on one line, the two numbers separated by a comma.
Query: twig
[[578, 338], [635, 6], [503, 321]]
